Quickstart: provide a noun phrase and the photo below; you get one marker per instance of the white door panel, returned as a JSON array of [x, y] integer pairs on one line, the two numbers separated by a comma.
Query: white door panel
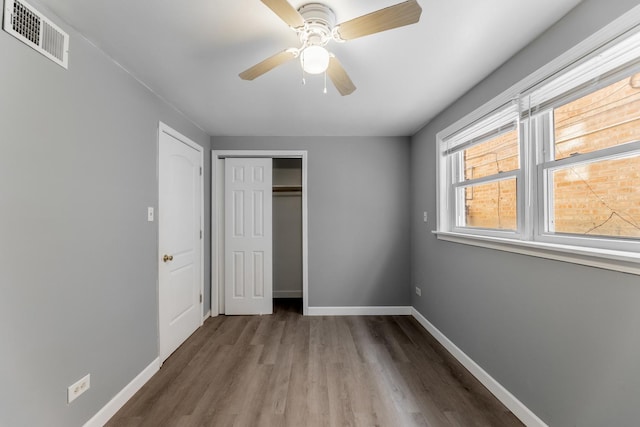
[[179, 218], [248, 236]]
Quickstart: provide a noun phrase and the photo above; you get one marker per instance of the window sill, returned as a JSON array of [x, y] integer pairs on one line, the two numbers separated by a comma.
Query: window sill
[[627, 262]]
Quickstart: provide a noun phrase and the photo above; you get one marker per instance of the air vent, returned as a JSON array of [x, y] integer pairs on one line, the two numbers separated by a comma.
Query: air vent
[[28, 25]]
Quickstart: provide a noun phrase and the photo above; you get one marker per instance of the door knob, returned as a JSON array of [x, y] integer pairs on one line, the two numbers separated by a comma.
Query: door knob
[[167, 258]]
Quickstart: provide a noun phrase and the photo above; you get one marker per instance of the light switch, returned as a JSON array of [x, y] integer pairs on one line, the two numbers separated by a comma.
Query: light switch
[[424, 217], [150, 214]]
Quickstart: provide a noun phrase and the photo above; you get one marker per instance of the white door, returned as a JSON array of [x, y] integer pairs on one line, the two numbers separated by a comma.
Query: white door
[[248, 246], [180, 248]]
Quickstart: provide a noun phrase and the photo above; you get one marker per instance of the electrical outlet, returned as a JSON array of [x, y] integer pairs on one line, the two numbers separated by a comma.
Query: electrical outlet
[[78, 388], [150, 214], [418, 291]]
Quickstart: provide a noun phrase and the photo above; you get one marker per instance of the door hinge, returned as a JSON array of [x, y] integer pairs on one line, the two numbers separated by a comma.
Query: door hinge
[[200, 170], [201, 234], [201, 298]]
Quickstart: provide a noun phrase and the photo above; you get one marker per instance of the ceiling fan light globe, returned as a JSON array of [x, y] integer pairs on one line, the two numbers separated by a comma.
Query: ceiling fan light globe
[[314, 59]]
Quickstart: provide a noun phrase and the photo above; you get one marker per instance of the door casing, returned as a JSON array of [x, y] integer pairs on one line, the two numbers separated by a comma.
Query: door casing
[[217, 221]]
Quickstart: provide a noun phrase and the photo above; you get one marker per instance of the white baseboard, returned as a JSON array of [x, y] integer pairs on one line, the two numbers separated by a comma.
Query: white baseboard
[[360, 311], [287, 294], [118, 401], [206, 315], [502, 394]]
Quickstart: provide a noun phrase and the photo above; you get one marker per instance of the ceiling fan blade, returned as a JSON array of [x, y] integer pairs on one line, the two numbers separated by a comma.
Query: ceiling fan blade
[[401, 14], [339, 77], [286, 12], [268, 64]]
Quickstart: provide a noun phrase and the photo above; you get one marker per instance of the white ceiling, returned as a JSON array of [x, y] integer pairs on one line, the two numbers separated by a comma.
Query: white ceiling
[[190, 53]]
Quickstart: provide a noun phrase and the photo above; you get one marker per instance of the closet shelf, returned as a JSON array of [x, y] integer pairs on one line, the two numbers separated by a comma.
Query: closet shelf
[[287, 188]]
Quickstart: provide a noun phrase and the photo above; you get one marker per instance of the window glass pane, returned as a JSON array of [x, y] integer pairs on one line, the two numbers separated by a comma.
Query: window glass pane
[[600, 198], [491, 205], [499, 154], [602, 119]]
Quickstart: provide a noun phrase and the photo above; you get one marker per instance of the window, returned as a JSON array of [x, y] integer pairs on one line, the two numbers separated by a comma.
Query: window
[[557, 166], [484, 166], [490, 172], [593, 165]]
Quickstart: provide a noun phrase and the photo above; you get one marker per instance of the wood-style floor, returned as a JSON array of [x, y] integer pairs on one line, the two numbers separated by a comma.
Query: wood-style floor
[[289, 370]]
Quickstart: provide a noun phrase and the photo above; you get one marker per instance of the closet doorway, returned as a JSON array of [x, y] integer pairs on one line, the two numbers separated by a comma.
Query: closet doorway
[[289, 227]]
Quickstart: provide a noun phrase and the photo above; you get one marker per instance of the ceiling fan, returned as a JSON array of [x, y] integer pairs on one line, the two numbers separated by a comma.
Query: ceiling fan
[[315, 25]]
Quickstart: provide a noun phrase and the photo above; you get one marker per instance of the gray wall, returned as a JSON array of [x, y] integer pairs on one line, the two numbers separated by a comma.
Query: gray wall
[[359, 243], [78, 267], [562, 338], [287, 245]]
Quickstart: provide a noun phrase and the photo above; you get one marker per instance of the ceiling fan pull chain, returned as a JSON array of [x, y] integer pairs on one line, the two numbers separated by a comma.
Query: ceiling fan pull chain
[[325, 83], [304, 81]]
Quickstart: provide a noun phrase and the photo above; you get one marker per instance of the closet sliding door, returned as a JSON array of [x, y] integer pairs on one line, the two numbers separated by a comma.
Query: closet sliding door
[[248, 236]]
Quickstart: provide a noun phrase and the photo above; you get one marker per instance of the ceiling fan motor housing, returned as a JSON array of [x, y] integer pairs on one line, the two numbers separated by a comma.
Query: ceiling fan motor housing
[[319, 23]]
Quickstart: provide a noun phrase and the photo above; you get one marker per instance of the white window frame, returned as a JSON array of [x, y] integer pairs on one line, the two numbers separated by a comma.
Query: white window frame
[[548, 87], [495, 125]]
